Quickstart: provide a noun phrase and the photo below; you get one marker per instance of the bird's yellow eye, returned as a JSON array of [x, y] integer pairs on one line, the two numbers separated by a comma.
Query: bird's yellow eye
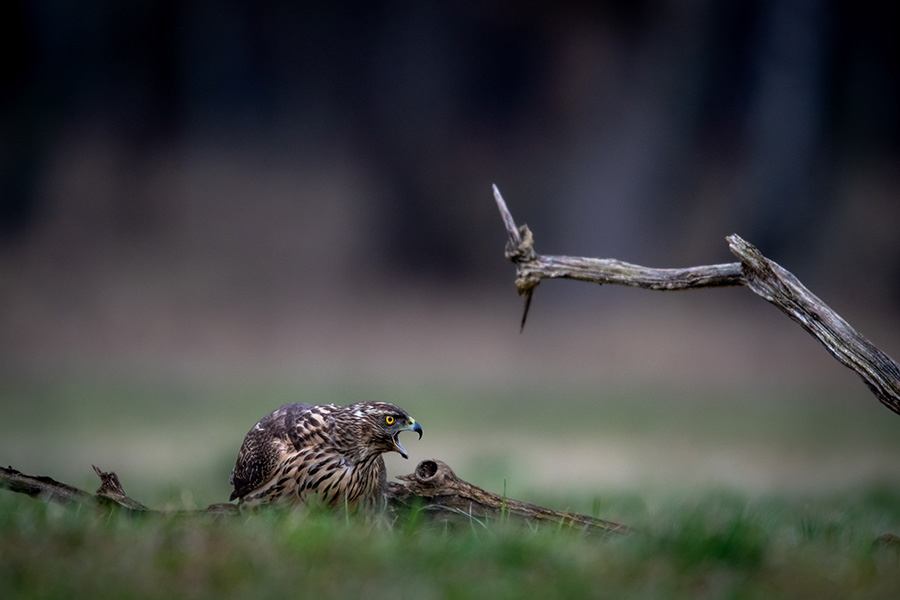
[[389, 420]]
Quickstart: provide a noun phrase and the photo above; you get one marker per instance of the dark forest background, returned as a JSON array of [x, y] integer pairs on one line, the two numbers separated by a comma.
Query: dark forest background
[[208, 209], [273, 191]]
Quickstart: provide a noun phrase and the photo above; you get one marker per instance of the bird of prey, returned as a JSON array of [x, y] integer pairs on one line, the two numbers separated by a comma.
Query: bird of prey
[[320, 454]]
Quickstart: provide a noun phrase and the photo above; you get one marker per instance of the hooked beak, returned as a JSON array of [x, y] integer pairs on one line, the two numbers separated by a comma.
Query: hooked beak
[[413, 426]]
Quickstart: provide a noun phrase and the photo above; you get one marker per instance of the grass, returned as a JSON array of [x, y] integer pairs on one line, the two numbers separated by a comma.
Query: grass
[[717, 545], [173, 446]]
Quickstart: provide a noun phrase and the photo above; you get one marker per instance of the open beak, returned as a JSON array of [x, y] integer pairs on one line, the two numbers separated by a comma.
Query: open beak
[[413, 426]]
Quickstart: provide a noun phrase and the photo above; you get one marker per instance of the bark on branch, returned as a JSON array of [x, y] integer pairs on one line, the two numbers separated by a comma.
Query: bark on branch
[[435, 488], [432, 488], [764, 277]]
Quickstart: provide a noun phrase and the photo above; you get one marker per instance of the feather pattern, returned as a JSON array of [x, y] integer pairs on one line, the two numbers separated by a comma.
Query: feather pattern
[[315, 453]]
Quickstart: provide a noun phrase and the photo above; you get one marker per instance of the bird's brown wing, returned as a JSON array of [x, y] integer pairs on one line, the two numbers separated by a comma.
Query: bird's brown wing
[[264, 446]]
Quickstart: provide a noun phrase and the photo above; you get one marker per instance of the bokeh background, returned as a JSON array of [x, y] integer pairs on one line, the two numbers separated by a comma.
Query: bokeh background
[[208, 209]]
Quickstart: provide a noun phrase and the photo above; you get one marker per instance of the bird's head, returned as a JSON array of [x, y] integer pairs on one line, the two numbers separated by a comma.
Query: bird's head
[[383, 424]]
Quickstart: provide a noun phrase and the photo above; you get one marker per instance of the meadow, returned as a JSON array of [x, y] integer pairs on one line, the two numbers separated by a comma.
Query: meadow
[[784, 498], [717, 545]]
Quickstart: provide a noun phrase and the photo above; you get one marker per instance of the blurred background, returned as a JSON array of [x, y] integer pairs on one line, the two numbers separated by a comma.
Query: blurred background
[[208, 209]]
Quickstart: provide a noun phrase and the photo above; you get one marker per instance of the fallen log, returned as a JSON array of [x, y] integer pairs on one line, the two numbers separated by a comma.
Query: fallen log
[[433, 489]]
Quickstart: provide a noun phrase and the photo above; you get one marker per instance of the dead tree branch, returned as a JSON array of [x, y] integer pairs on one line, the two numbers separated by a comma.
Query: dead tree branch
[[43, 487], [436, 489], [764, 277], [433, 488]]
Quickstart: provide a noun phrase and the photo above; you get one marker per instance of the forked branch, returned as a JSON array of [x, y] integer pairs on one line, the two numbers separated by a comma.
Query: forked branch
[[764, 277]]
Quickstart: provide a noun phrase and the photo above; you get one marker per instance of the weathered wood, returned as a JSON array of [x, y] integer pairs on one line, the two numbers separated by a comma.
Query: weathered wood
[[609, 270], [111, 492], [435, 488], [432, 488], [43, 487], [764, 277], [777, 285]]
